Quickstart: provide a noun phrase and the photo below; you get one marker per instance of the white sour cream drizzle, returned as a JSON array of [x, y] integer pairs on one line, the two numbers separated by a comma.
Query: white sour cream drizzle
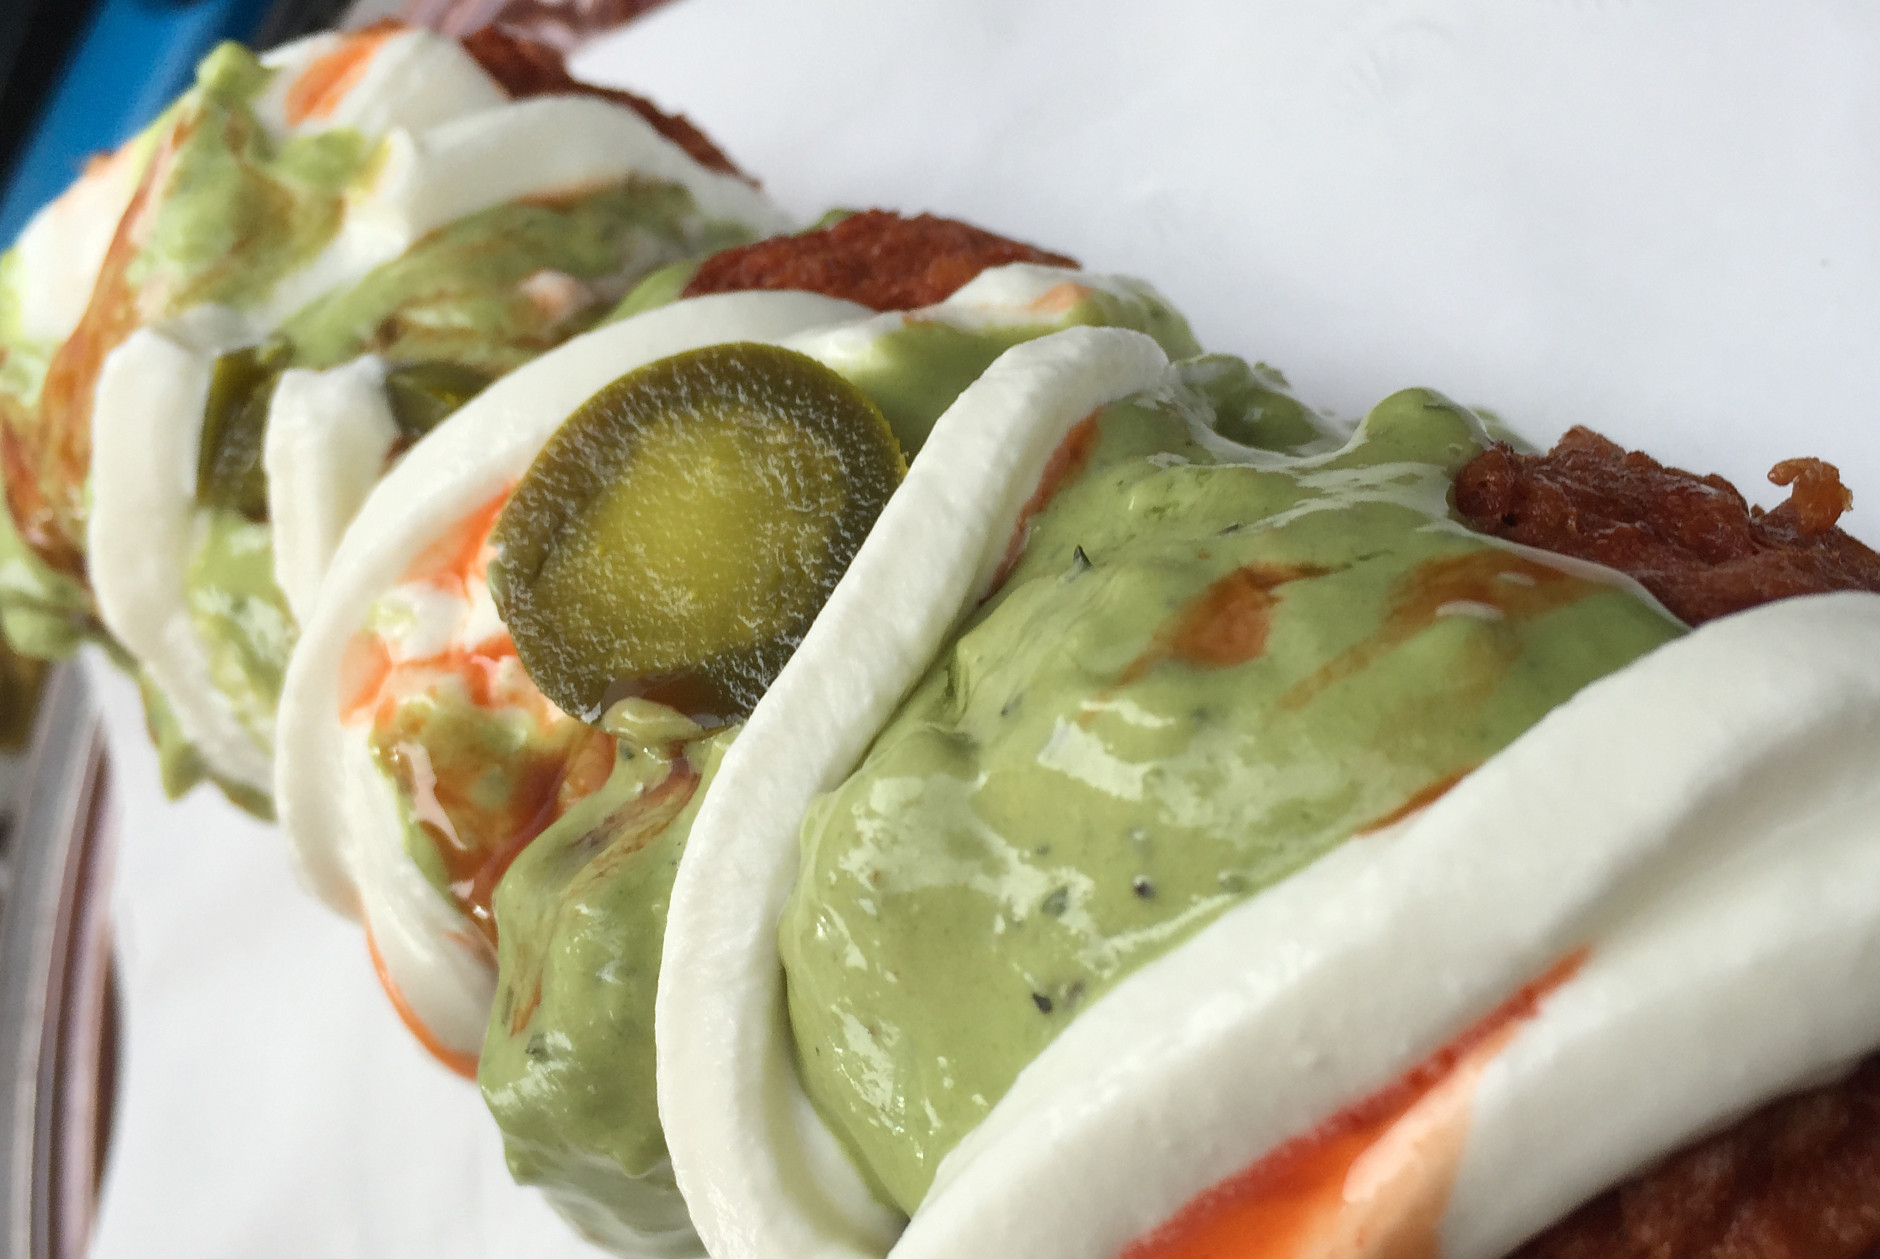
[[1702, 822], [329, 436], [438, 164]]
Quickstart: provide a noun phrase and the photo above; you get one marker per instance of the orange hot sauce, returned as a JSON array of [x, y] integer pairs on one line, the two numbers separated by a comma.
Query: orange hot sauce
[[1319, 1194], [1070, 458], [319, 89], [463, 1064]]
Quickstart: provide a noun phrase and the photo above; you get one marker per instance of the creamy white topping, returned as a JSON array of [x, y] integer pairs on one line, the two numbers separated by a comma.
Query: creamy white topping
[[145, 523], [414, 79], [328, 438], [335, 805], [1747, 967]]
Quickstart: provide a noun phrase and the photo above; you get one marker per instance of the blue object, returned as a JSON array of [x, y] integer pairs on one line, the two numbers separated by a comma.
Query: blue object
[[134, 57]]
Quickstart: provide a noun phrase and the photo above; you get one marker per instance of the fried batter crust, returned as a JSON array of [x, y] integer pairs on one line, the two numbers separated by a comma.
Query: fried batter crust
[[1691, 540], [526, 68], [876, 258], [1798, 1179]]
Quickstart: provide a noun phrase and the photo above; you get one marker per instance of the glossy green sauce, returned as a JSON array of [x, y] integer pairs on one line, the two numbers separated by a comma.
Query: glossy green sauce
[[239, 614], [237, 210], [462, 294], [43, 613], [916, 371], [567, 1065], [1201, 676], [484, 773]]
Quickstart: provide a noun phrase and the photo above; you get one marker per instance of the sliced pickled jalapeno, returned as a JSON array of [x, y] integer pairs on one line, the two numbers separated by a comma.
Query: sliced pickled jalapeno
[[677, 535], [423, 395], [229, 471]]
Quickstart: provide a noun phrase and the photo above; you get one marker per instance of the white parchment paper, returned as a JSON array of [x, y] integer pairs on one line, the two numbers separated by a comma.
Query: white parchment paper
[[1655, 219]]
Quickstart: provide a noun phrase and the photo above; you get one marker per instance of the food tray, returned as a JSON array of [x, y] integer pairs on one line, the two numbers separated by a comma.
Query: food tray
[[57, 1025]]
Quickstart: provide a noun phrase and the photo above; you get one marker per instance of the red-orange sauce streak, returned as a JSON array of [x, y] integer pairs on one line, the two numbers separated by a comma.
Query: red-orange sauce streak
[[462, 1063], [1427, 795], [320, 88], [459, 555], [1272, 1209], [47, 462], [1070, 458], [625, 831], [482, 838], [581, 775], [1518, 587], [1226, 624], [476, 835]]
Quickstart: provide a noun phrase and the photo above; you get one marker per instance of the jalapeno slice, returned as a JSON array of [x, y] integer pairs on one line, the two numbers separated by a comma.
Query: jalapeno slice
[[676, 537], [425, 394], [229, 471]]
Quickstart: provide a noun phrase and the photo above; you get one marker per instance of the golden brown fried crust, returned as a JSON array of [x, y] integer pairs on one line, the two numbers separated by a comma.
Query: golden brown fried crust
[[1692, 541], [526, 68], [876, 258], [1798, 1179]]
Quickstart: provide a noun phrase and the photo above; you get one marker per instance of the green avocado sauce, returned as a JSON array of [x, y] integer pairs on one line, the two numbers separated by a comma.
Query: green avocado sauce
[[239, 614], [567, 1066], [44, 613], [239, 210], [462, 294], [1209, 668], [915, 372]]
